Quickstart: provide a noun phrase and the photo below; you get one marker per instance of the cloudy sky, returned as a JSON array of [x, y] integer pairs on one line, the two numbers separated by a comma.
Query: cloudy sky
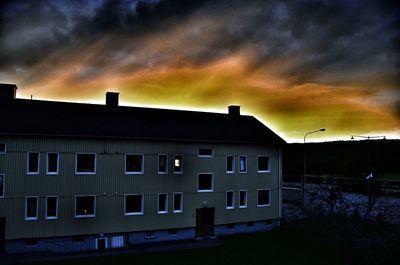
[[296, 65]]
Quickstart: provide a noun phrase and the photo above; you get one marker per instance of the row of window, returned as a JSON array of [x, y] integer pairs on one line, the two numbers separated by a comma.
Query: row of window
[[85, 163], [85, 205]]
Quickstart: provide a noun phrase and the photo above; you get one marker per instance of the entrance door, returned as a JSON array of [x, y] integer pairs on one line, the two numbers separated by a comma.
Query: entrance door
[[101, 244], [2, 234], [205, 222]]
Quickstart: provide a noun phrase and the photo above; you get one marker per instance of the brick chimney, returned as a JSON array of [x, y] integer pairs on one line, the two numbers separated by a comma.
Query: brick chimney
[[112, 99], [234, 110], [8, 92]]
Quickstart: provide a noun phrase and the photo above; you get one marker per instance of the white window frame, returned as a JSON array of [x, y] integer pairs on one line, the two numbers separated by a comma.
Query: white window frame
[[245, 205], [166, 165], [209, 156], [166, 204], [85, 173], [233, 164], [243, 172], [173, 202], [51, 217], [26, 208], [173, 165], [134, 172], [4, 185], [94, 206], [27, 164], [212, 182], [269, 199], [269, 164], [5, 149], [141, 206], [47, 163], [233, 200]]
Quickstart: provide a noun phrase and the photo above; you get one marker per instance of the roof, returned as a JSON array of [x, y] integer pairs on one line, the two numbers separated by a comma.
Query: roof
[[51, 118]]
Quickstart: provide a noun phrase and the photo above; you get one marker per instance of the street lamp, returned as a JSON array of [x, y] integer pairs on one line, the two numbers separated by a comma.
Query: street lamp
[[305, 163]]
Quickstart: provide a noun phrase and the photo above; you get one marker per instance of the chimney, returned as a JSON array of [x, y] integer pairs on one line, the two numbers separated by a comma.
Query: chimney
[[234, 110], [8, 92], [112, 99]]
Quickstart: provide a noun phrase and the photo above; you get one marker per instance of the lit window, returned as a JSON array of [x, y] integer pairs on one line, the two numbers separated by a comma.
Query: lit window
[[163, 203], [133, 204], [85, 164], [51, 207], [263, 164], [263, 198], [33, 163], [178, 202], [242, 164], [162, 164], [85, 206], [230, 200], [205, 182], [242, 199], [52, 164], [230, 164], [134, 164], [178, 163], [31, 208]]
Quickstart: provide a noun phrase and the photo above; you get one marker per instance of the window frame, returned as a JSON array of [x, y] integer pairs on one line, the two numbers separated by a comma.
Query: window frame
[[141, 204], [166, 165], [26, 208], [47, 163], [51, 217], [245, 198], [134, 172], [245, 157], [233, 200], [173, 165], [212, 182], [269, 197], [205, 156], [269, 164], [94, 206], [85, 173], [5, 149], [165, 204], [173, 202], [3, 191], [233, 164], [27, 164]]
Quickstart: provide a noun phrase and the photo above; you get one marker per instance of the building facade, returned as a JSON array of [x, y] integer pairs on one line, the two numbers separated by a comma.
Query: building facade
[[79, 177]]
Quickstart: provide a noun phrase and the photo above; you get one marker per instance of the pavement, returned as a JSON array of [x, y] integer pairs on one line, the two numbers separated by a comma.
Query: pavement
[[157, 247]]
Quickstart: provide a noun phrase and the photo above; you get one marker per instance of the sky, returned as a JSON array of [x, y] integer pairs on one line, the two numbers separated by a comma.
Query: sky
[[297, 66]]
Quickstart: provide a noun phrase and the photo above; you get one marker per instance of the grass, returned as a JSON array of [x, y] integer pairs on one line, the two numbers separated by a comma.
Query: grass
[[315, 241]]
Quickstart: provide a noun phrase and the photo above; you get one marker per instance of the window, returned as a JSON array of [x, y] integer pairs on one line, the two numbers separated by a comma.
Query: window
[[149, 235], [51, 207], [230, 164], [85, 164], [52, 164], [178, 164], [31, 242], [173, 232], [2, 148], [178, 202], [263, 198], [230, 200], [134, 164], [163, 203], [263, 164], [31, 208], [162, 164], [85, 206], [205, 182], [33, 163], [206, 152], [243, 199], [2, 177], [133, 204], [242, 164]]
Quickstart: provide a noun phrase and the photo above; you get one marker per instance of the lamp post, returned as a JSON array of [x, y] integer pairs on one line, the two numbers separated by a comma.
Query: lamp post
[[305, 164]]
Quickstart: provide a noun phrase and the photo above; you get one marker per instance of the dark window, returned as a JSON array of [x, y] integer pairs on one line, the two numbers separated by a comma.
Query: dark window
[[172, 232], [2, 148], [205, 182], [269, 222], [33, 163], [149, 234], [31, 242], [134, 163], [263, 197], [206, 152], [242, 164], [31, 208], [133, 204], [250, 224], [242, 199], [178, 202], [85, 163], [230, 200], [178, 163], [263, 163], [162, 203], [230, 161], [52, 163], [51, 207], [77, 239], [230, 226], [2, 185], [85, 206], [162, 164]]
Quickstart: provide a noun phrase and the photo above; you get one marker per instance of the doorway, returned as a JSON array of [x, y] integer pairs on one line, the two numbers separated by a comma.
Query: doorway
[[101, 243], [205, 222]]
